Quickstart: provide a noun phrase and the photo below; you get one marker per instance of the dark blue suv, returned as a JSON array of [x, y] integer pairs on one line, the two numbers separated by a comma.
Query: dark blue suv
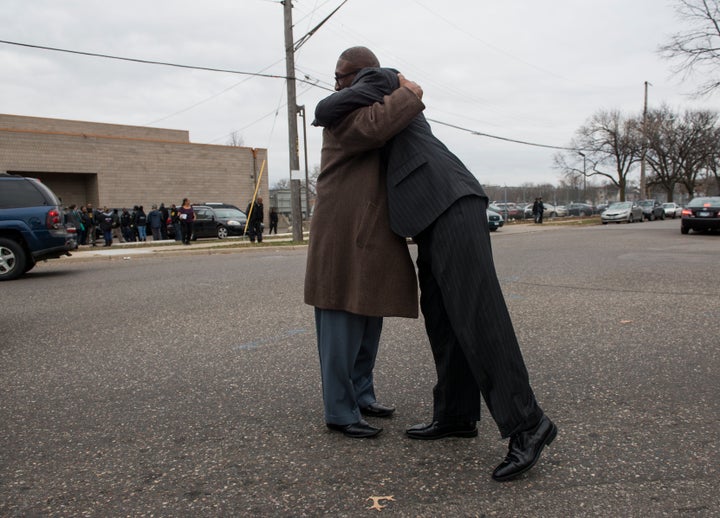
[[31, 225]]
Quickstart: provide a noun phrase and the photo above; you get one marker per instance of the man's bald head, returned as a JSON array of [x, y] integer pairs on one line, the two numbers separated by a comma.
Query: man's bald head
[[360, 57], [350, 63]]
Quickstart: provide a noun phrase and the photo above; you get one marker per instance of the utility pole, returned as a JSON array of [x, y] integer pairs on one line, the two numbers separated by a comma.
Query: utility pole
[[292, 115], [644, 145]]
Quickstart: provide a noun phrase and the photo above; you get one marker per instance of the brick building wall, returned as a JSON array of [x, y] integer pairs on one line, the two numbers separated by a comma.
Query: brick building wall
[[121, 166]]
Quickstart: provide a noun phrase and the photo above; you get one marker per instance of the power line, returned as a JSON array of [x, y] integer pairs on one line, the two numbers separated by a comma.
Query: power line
[[147, 61], [506, 139], [309, 35], [213, 96], [307, 80], [497, 49]]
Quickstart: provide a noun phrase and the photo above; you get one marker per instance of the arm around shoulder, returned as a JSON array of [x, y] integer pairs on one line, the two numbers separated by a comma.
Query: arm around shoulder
[[372, 126]]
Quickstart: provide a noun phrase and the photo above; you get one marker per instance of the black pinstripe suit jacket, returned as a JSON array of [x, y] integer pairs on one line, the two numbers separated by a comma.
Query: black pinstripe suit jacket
[[424, 177]]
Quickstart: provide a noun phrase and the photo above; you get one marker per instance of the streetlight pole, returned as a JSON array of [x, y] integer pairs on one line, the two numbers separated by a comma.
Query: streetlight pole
[[584, 177], [301, 112], [644, 145]]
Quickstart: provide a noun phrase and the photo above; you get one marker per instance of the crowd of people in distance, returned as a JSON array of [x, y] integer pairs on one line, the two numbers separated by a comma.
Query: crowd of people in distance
[[161, 223], [123, 224]]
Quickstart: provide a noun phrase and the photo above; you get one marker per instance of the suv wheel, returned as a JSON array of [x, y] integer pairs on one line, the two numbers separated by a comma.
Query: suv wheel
[[222, 232], [12, 260]]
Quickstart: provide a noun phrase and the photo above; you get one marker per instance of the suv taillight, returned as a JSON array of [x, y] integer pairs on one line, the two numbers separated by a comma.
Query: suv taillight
[[53, 220]]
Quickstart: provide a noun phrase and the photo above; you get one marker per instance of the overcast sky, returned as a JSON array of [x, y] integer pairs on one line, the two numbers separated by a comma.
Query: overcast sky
[[525, 70]]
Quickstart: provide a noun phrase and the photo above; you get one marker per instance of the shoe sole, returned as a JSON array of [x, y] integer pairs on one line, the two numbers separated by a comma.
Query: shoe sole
[[375, 414], [463, 435], [550, 438], [368, 435]]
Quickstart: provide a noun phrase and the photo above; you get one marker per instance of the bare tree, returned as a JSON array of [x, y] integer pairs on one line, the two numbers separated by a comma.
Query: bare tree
[[714, 163], [312, 186], [612, 146], [235, 139], [664, 143], [697, 49], [680, 147], [282, 183]]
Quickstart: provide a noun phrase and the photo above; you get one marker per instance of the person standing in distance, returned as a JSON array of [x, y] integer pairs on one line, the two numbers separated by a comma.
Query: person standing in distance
[[255, 216], [358, 271], [186, 215], [434, 199], [273, 220]]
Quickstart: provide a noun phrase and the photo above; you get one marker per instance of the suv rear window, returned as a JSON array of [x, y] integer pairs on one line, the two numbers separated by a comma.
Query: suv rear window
[[25, 193]]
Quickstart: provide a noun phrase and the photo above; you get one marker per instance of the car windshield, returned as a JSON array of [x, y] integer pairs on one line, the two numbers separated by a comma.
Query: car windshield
[[229, 213], [646, 203], [711, 201], [668, 204], [620, 205]]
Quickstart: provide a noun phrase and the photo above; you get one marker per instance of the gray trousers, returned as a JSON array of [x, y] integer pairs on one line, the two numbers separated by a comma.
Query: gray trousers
[[348, 345]]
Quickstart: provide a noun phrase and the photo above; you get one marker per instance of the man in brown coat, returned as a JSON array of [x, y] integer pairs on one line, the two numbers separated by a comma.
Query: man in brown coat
[[435, 199], [358, 270]]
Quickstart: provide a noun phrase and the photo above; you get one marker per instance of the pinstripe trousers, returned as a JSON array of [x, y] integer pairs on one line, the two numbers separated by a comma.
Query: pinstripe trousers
[[471, 334]]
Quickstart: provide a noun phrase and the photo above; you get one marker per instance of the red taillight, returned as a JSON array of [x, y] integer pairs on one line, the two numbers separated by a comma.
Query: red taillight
[[53, 219], [686, 212]]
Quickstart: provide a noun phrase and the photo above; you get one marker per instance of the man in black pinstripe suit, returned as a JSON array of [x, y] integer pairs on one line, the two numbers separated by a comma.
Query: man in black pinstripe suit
[[434, 199]]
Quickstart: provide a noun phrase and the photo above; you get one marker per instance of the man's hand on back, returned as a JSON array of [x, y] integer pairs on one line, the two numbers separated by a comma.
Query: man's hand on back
[[410, 85]]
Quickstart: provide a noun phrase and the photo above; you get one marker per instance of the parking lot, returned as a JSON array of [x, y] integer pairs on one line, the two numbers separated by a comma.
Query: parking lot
[[186, 383]]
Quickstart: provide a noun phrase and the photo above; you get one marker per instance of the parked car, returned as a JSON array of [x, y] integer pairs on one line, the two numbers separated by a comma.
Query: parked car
[[550, 211], [672, 210], [622, 211], [31, 225], [215, 221], [579, 209], [601, 207], [217, 204], [652, 209], [495, 220], [701, 214], [521, 207], [508, 210]]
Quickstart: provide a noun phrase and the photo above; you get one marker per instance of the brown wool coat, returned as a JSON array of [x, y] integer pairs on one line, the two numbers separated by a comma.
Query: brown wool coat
[[355, 262]]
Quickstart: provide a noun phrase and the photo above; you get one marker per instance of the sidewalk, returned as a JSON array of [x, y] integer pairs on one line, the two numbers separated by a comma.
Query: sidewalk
[[170, 246]]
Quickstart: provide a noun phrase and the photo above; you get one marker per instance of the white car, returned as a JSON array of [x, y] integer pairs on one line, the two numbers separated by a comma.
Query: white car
[[622, 211], [550, 211], [672, 210], [495, 220]]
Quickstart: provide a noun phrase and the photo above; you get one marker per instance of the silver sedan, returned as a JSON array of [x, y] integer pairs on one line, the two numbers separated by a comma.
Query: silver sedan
[[622, 211]]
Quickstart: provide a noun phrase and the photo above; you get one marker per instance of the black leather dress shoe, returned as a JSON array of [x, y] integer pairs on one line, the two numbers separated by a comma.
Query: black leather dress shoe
[[377, 410], [525, 449], [358, 430], [438, 430]]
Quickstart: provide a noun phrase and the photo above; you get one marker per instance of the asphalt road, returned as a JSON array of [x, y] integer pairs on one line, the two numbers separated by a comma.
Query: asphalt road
[[187, 384]]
